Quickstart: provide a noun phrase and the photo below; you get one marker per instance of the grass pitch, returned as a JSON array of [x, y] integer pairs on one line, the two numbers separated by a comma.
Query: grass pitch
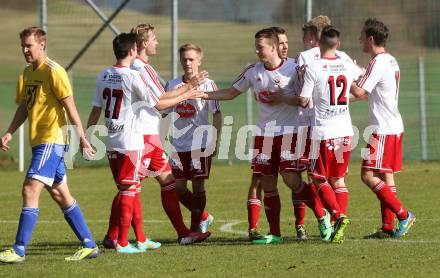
[[227, 252]]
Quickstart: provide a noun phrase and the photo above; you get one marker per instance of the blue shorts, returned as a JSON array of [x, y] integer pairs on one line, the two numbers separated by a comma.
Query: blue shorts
[[47, 164]]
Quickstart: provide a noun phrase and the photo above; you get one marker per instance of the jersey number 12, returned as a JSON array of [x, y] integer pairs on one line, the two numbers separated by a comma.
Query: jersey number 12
[[341, 82]]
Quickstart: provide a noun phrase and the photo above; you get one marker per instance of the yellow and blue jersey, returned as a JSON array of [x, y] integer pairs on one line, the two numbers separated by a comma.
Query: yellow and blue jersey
[[42, 90], [19, 91]]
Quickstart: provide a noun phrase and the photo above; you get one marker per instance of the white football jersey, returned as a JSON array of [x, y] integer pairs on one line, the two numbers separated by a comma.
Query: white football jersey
[[273, 120], [381, 81], [150, 117], [306, 58], [193, 113], [120, 91], [327, 82]]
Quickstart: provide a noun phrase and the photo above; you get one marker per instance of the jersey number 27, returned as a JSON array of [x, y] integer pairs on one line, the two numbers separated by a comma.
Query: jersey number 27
[[108, 94]]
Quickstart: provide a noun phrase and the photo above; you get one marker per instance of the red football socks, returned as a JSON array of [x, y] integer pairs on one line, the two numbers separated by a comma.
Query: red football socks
[[137, 217], [113, 225], [272, 207], [171, 206], [342, 198], [253, 208], [388, 198], [328, 197], [125, 215]]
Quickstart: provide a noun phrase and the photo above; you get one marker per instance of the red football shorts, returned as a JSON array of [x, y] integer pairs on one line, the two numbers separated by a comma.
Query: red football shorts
[[383, 153], [125, 166], [329, 158], [191, 165], [154, 159], [273, 154]]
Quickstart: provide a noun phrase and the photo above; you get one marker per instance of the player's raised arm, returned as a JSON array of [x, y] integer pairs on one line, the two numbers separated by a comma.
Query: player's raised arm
[[222, 94], [194, 82]]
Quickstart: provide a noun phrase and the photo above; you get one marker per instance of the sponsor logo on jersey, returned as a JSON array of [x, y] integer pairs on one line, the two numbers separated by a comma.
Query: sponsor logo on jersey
[[30, 95], [332, 112], [113, 128], [262, 96], [337, 67], [186, 110], [112, 78]]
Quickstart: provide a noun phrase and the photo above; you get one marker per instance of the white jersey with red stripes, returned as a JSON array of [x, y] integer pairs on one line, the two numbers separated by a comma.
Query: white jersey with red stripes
[[119, 92], [273, 120], [327, 82], [150, 117], [193, 113], [305, 58], [381, 81]]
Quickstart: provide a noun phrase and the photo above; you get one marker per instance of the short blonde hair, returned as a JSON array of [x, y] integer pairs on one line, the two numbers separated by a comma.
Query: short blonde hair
[[141, 32], [316, 25], [191, 46], [39, 34]]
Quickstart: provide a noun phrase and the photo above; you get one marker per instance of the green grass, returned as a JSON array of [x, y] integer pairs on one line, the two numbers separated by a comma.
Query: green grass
[[224, 253]]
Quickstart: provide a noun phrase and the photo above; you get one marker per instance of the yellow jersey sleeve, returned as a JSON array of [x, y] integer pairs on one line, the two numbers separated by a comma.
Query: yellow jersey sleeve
[[60, 83], [19, 96]]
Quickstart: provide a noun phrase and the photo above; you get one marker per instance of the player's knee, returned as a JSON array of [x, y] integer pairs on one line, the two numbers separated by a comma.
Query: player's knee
[[337, 182], [366, 176], [28, 193], [165, 178], [256, 182]]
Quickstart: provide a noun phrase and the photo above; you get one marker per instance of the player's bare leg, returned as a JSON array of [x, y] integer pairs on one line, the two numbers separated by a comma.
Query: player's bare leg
[[181, 190], [253, 207], [31, 193], [61, 195]]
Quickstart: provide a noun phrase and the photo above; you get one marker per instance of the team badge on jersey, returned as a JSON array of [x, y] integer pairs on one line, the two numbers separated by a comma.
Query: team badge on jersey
[[31, 93]]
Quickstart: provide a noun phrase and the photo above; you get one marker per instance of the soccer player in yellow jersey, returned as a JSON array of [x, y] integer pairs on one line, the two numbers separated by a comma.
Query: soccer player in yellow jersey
[[45, 99]]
